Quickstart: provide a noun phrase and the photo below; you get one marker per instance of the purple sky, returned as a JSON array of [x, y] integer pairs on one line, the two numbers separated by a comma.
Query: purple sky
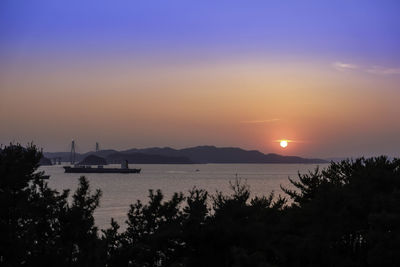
[[323, 74]]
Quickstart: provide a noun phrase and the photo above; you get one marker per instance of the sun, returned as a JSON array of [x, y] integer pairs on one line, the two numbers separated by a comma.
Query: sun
[[284, 143]]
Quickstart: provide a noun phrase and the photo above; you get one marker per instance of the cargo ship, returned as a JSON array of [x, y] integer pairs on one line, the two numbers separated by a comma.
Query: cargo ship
[[100, 169], [86, 166]]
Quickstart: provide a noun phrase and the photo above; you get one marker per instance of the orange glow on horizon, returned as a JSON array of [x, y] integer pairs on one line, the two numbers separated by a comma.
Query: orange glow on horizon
[[243, 104]]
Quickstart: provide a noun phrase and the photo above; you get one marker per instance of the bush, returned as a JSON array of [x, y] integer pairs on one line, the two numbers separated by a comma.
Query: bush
[[345, 215], [37, 225]]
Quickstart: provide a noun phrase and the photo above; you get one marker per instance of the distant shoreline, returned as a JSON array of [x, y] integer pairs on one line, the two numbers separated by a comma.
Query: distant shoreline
[[192, 155]]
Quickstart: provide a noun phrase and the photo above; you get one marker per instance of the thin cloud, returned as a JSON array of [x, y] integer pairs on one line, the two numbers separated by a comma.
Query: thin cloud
[[261, 121], [341, 66], [383, 71], [292, 141], [378, 70]]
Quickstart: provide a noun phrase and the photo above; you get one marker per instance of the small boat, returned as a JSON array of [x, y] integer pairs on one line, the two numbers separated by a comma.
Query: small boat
[[100, 169]]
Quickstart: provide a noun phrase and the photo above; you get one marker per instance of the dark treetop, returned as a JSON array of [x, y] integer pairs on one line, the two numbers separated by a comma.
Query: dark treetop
[[345, 215]]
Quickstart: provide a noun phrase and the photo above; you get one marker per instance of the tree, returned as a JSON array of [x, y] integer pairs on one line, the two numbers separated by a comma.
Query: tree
[[153, 235], [24, 222], [37, 225], [348, 214], [345, 215], [79, 236]]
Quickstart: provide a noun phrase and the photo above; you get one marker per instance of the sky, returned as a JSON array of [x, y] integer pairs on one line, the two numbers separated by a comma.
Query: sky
[[324, 75]]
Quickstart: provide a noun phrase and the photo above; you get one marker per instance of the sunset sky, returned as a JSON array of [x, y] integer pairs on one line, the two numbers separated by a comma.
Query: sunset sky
[[323, 74]]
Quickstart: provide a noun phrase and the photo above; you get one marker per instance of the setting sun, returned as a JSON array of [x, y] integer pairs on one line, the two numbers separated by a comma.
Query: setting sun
[[283, 143]]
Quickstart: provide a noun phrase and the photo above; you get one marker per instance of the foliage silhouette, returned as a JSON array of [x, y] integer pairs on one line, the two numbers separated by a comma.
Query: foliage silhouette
[[38, 226], [345, 215]]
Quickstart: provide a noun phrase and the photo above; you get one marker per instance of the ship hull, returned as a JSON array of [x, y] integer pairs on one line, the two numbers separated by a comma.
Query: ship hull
[[99, 170]]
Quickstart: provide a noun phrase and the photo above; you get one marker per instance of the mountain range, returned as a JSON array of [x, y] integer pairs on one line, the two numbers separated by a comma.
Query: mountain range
[[199, 154]]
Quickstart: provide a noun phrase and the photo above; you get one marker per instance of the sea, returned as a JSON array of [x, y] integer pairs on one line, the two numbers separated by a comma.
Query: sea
[[119, 191]]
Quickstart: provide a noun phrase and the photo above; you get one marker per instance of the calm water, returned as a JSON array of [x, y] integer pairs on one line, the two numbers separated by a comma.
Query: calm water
[[121, 190]]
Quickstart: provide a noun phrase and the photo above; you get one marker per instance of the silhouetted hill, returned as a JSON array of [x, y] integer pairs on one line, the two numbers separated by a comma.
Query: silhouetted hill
[[199, 154], [212, 154], [164, 151], [65, 156], [141, 158], [336, 159], [275, 158], [102, 153], [93, 160], [45, 161]]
